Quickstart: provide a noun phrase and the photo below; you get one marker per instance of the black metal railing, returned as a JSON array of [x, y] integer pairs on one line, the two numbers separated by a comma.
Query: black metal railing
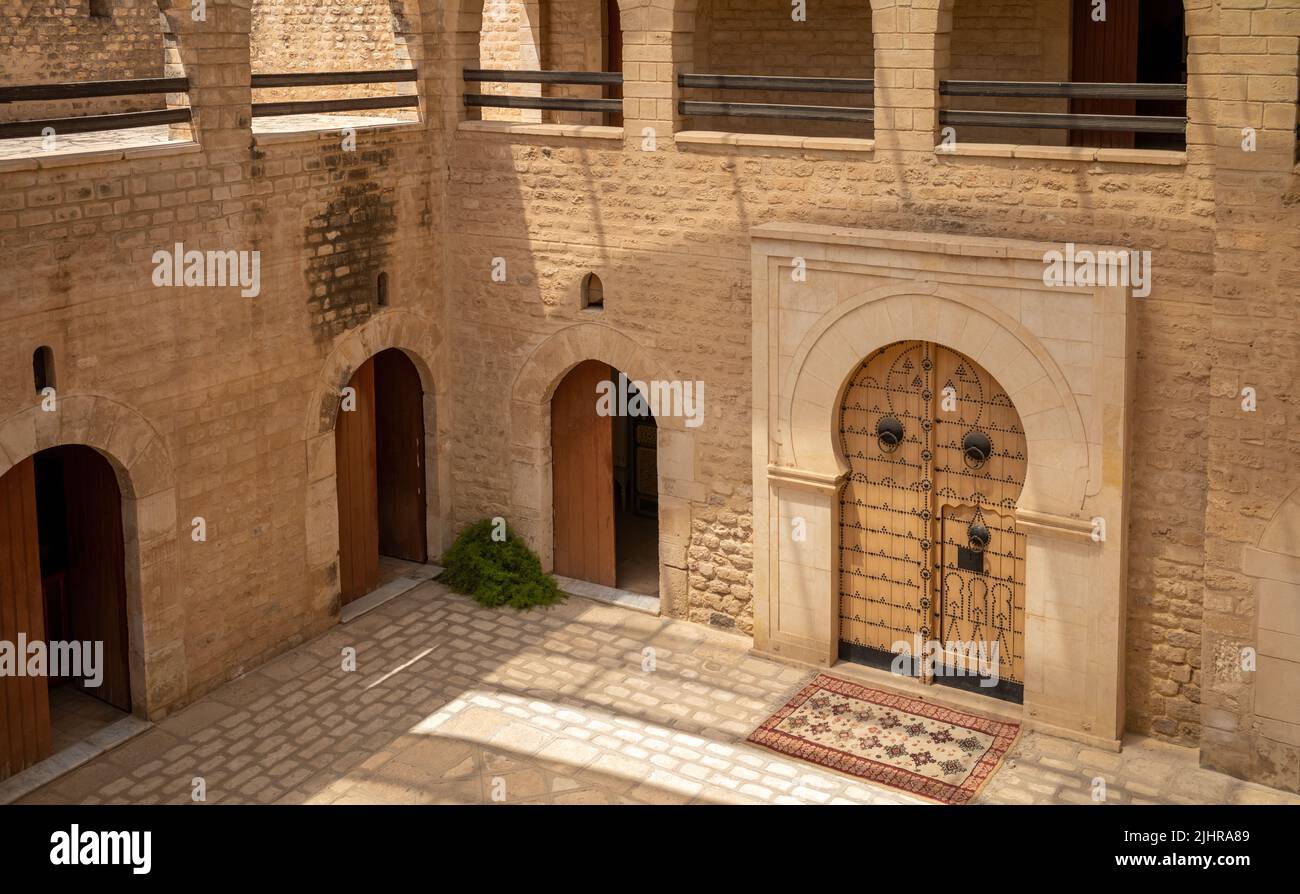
[[334, 78], [1163, 124], [543, 103], [788, 111], [93, 90]]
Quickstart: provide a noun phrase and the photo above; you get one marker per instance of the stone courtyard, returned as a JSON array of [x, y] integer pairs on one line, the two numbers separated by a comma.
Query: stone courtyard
[[451, 703]]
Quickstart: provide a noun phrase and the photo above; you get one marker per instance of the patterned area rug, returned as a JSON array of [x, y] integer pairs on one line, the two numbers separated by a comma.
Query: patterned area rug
[[914, 746]]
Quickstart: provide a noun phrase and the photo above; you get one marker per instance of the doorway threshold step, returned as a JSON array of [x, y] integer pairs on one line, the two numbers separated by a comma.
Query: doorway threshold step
[[67, 760], [638, 602], [387, 592]]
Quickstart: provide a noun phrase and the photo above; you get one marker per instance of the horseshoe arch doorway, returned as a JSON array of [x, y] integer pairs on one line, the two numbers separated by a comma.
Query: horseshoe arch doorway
[[932, 567]]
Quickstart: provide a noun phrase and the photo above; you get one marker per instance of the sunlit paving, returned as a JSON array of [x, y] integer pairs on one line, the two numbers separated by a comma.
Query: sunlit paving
[[583, 703]]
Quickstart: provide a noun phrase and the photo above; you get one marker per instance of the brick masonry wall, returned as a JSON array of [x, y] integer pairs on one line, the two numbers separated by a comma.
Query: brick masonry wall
[[677, 280], [742, 37], [226, 380], [1011, 41], [553, 35], [1254, 457], [573, 35], [503, 45], [637, 231], [51, 41], [324, 35]]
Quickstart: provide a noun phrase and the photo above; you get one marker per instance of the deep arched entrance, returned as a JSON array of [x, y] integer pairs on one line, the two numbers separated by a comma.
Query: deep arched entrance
[[62, 586], [379, 455], [931, 563], [605, 491]]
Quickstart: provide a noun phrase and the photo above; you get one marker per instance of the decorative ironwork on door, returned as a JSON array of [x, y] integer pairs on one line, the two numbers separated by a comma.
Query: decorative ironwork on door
[[929, 551]]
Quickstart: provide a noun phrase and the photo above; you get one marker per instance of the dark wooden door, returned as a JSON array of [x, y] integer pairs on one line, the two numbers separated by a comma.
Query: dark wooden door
[[24, 701], [1104, 52], [582, 481], [354, 452], [613, 57], [96, 576], [399, 448]]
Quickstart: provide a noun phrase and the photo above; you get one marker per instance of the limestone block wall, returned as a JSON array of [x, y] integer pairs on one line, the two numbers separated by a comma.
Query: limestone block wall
[[1253, 456], [834, 41], [550, 35], [511, 38], [1023, 40], [51, 41], [207, 402], [668, 233], [233, 393], [328, 35], [573, 39], [693, 202]]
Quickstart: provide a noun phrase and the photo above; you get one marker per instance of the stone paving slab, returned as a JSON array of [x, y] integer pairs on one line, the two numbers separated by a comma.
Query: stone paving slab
[[582, 703]]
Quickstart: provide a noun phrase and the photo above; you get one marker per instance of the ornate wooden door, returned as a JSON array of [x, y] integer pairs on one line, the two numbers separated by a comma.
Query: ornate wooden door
[[884, 513], [979, 471], [929, 552]]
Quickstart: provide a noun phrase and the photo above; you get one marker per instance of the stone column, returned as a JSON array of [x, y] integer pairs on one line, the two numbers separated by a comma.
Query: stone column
[[457, 25], [214, 51], [657, 45], [912, 40]]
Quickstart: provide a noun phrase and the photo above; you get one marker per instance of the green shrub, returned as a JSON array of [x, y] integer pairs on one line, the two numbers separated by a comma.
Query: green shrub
[[496, 572]]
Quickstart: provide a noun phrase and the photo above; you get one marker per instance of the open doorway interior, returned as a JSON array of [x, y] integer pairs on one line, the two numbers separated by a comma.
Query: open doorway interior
[[83, 587], [63, 586], [379, 454], [1143, 43], [604, 484], [636, 497]]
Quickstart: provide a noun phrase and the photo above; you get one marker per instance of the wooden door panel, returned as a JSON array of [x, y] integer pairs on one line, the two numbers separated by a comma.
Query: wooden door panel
[[582, 481], [96, 577], [906, 572], [882, 529], [1104, 52], [988, 605], [399, 451], [354, 444], [24, 701]]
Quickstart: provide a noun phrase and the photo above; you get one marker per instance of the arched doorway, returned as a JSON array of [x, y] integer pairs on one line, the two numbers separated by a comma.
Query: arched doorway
[[64, 654], [379, 456], [931, 563], [605, 493]]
